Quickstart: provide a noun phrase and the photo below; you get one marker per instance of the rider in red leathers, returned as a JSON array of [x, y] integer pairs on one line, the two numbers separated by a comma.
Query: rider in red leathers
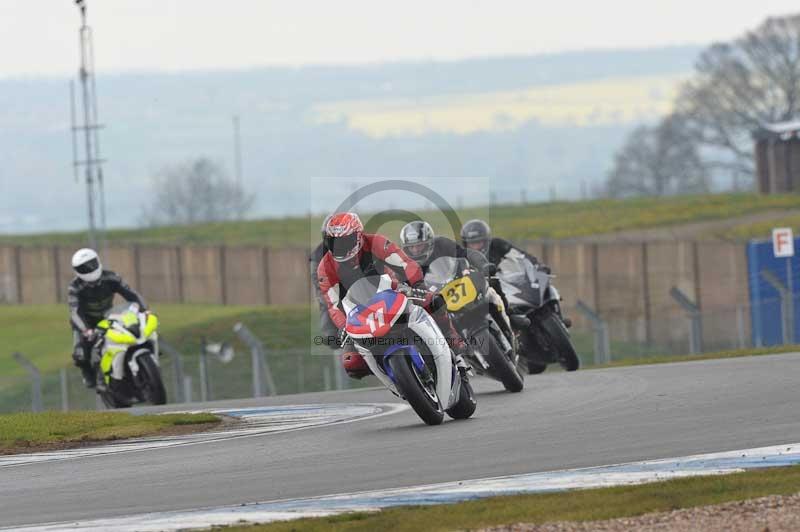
[[353, 254]]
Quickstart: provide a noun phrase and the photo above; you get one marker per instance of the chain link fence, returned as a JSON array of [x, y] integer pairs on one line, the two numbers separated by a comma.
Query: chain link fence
[[202, 370]]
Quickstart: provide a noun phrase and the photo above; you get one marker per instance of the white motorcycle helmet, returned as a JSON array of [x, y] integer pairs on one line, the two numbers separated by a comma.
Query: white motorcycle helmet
[[87, 266]]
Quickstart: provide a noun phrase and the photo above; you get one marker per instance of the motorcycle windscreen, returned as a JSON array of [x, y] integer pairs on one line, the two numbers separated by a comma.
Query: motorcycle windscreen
[[518, 272], [443, 270]]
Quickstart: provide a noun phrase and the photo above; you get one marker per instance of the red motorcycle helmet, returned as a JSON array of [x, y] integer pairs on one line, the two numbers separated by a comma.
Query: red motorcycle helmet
[[344, 236]]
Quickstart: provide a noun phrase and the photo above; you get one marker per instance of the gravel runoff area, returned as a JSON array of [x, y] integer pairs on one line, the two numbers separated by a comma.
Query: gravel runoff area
[[765, 514]]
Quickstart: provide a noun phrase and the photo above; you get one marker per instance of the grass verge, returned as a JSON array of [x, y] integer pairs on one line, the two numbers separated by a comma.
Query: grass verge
[[579, 505], [551, 220], [665, 359], [48, 430]]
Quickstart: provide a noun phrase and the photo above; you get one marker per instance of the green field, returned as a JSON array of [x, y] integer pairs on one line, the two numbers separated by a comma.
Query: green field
[[552, 220], [42, 332], [25, 430], [579, 505], [762, 230]]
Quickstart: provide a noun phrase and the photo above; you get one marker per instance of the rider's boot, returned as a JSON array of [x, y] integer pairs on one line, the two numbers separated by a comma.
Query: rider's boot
[[101, 378], [355, 365], [87, 371], [461, 349], [89, 375], [100, 381]]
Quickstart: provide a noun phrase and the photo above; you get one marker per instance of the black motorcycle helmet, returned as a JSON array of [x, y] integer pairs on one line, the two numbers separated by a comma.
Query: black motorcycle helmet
[[416, 239], [476, 234]]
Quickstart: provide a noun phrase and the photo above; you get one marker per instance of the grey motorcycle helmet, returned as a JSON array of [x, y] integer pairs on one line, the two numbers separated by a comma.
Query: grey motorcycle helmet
[[476, 234], [416, 239]]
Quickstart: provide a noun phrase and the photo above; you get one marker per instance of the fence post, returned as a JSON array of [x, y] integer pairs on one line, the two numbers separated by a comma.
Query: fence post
[[695, 319], [258, 360], [64, 389], [602, 349], [36, 381], [339, 373], [187, 388], [326, 377], [177, 370], [204, 388], [787, 305], [740, 326]]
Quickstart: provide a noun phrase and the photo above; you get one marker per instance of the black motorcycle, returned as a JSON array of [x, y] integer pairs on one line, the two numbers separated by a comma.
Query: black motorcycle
[[530, 294], [493, 348]]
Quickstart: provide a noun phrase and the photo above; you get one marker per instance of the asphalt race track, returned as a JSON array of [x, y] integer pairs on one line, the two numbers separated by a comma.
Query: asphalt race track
[[561, 420]]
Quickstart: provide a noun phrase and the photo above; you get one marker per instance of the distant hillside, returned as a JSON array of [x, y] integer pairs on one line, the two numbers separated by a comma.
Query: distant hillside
[[542, 123]]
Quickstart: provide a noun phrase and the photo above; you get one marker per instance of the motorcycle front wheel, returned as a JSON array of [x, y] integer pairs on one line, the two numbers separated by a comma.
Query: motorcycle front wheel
[[418, 388], [502, 367], [562, 346], [150, 378]]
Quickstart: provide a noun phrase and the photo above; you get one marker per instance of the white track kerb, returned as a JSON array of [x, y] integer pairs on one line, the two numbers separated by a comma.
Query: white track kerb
[[612, 475], [257, 421]]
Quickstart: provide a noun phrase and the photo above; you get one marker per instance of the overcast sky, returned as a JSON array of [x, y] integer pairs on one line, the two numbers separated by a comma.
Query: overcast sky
[[38, 37]]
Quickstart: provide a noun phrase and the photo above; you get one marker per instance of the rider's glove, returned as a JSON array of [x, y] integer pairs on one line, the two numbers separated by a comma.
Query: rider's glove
[[88, 334], [489, 269], [544, 268]]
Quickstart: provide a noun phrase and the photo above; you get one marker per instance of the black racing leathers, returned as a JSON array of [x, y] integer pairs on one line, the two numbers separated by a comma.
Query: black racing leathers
[[88, 304], [444, 247], [499, 248]]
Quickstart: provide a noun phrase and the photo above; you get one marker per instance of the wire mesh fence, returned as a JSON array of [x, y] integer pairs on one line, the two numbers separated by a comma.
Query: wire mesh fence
[[192, 372]]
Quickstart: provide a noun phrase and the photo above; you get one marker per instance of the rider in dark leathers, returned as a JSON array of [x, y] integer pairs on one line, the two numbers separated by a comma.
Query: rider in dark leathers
[[421, 244], [477, 235], [90, 297]]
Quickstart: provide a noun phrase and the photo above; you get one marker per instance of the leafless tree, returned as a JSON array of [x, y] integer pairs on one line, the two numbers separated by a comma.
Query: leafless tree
[[658, 161], [195, 191], [739, 86]]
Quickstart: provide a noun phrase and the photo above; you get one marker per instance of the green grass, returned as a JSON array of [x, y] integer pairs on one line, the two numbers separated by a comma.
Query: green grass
[[24, 430], [42, 332], [733, 353], [534, 221], [761, 230], [579, 505]]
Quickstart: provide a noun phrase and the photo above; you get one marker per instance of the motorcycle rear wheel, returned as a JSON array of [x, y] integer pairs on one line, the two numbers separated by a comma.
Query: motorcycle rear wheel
[[111, 401]]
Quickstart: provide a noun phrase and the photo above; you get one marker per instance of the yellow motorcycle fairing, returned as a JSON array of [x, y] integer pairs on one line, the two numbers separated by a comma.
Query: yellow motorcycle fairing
[[150, 325], [117, 340], [459, 293], [107, 362]]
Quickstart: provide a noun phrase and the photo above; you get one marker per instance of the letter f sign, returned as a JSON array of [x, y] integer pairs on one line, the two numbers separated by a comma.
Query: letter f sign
[[783, 242]]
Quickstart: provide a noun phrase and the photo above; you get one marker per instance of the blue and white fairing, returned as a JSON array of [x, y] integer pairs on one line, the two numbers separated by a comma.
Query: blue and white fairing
[[423, 326]]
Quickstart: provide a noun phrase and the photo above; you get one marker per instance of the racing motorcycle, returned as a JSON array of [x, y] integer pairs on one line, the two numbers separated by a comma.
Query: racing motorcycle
[[405, 349], [530, 293], [464, 292], [129, 359]]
